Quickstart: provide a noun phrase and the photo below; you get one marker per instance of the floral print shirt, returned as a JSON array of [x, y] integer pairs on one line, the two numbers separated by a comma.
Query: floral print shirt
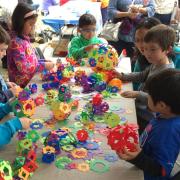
[[22, 61]]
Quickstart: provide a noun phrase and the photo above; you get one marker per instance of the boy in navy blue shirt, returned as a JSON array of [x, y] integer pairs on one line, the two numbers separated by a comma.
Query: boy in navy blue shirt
[[160, 142]]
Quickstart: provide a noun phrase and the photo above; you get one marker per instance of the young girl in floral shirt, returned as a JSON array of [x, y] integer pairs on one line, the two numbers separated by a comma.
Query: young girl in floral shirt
[[22, 61]]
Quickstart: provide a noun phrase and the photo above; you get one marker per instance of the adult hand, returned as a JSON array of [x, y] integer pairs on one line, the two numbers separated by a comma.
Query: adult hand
[[134, 8], [130, 94], [26, 122], [132, 15], [127, 155]]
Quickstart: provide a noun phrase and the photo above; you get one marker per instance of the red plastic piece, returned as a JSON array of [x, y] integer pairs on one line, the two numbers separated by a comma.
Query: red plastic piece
[[31, 155], [30, 166], [82, 135], [123, 136], [97, 99]]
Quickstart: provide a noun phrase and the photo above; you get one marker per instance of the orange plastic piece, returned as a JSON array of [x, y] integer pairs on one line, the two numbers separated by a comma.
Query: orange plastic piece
[[115, 82]]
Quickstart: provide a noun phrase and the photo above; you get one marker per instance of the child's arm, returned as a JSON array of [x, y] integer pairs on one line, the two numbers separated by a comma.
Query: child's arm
[[75, 51], [5, 95], [142, 161], [4, 109], [134, 76], [9, 128], [25, 60]]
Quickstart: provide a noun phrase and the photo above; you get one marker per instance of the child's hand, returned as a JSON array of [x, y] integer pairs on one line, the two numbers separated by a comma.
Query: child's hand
[[90, 47], [49, 65], [127, 155], [26, 122], [117, 74], [15, 90], [11, 84], [130, 94]]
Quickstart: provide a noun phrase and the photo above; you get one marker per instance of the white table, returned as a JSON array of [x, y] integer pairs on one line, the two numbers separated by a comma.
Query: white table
[[118, 170], [70, 12]]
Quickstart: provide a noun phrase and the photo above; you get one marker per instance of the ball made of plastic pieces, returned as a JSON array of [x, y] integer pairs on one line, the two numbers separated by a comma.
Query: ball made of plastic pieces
[[115, 83], [104, 57], [61, 110], [82, 135], [123, 136]]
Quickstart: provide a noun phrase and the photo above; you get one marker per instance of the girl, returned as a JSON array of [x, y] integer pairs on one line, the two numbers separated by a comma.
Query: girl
[[22, 61], [141, 30]]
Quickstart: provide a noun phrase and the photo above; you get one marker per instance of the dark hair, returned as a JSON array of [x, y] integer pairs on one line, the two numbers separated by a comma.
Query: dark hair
[[18, 17], [86, 19], [162, 34], [148, 23], [145, 23], [165, 86], [4, 36]]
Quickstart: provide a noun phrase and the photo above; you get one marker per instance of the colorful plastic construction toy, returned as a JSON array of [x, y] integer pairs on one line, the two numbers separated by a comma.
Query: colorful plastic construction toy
[[82, 135], [123, 136], [61, 110], [64, 94], [29, 107], [115, 83], [33, 88], [104, 57], [39, 100], [5, 170]]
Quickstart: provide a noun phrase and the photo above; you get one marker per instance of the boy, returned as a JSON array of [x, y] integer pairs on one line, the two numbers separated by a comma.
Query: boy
[[158, 43], [160, 141], [5, 93], [86, 41]]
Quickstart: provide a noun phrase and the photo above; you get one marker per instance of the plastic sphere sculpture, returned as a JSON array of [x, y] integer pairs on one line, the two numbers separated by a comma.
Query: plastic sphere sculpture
[[123, 136], [104, 57]]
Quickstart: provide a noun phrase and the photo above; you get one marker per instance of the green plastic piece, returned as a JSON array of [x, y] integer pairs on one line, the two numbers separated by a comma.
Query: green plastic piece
[[6, 169], [67, 147], [33, 135], [94, 166], [99, 119], [61, 162], [112, 119], [17, 108], [19, 162]]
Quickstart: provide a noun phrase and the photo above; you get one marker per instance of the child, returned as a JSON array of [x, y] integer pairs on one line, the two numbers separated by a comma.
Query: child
[[5, 92], [160, 141], [141, 30], [10, 127], [22, 61], [86, 41], [158, 42]]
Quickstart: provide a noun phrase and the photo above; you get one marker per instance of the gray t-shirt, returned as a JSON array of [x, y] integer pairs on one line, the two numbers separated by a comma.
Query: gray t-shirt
[[141, 77]]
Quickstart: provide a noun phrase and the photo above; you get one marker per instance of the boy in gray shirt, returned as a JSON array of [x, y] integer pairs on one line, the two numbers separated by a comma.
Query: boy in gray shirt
[[158, 43]]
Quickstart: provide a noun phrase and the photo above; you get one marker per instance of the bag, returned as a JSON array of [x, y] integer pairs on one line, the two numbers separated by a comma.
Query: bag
[[110, 31]]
